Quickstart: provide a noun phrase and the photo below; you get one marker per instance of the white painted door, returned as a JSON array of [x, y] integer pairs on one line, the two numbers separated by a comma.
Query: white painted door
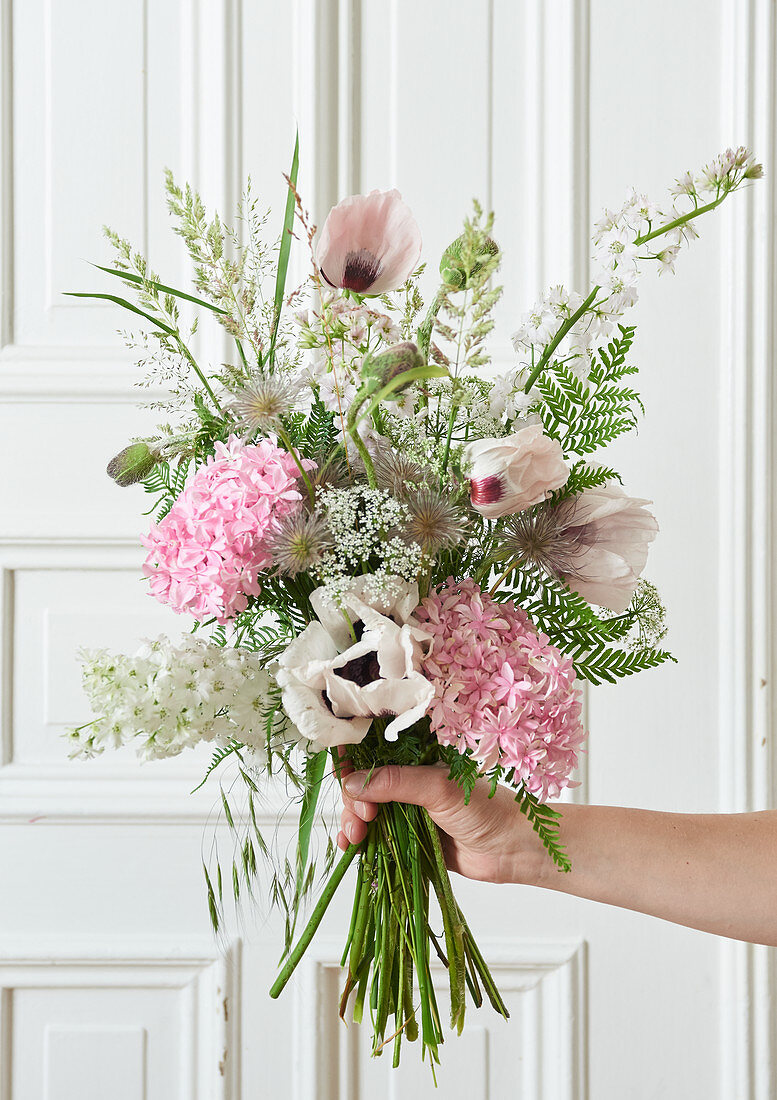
[[548, 109]]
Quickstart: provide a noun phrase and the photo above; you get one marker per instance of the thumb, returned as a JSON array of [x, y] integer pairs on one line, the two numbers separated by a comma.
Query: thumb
[[420, 786]]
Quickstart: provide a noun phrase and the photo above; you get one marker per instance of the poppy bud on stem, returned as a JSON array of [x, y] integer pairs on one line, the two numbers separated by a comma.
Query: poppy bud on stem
[[132, 464]]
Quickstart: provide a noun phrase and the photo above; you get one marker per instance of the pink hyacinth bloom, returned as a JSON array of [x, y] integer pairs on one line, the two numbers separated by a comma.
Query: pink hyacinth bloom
[[501, 689], [204, 556], [515, 472], [369, 243]]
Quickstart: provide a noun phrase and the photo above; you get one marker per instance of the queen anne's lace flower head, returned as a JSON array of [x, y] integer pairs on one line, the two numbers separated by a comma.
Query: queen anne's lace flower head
[[204, 556], [500, 689]]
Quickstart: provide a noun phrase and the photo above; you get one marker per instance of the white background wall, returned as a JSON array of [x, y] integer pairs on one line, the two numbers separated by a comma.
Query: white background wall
[[111, 983]]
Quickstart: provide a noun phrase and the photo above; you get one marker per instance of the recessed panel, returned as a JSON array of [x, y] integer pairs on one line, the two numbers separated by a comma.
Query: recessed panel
[[97, 1043], [96, 98]]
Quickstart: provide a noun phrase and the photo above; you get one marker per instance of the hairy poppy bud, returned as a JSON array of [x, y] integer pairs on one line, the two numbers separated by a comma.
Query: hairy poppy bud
[[381, 369], [132, 464], [452, 269]]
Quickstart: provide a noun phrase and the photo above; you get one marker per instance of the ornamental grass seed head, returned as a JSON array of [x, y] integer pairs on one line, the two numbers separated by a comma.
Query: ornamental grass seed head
[[299, 542], [435, 523]]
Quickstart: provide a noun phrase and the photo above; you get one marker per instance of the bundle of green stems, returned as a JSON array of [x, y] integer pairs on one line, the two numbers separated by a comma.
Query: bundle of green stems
[[388, 949]]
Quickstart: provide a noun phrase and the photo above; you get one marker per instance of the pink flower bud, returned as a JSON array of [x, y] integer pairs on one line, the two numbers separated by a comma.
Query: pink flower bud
[[513, 473]]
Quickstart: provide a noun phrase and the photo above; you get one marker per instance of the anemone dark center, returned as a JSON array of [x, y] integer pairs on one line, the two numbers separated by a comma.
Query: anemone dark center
[[360, 270], [487, 490], [361, 670]]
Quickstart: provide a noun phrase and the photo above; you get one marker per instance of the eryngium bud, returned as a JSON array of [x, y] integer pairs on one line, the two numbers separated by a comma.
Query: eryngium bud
[[452, 269], [132, 464], [388, 365]]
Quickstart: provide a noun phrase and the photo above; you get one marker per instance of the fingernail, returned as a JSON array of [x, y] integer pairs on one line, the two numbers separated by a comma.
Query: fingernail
[[360, 808], [348, 830], [355, 782]]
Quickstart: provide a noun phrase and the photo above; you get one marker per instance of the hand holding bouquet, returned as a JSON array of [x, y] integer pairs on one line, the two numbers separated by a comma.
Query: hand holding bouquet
[[390, 555]]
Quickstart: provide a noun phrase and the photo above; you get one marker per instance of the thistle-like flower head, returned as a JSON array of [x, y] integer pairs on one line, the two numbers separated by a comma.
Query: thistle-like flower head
[[299, 542], [260, 404], [435, 523]]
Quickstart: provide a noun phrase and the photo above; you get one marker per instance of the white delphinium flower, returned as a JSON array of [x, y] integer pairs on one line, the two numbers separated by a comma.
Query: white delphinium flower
[[171, 696]]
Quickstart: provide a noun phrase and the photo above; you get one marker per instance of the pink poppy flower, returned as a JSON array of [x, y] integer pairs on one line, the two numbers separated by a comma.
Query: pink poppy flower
[[369, 243]]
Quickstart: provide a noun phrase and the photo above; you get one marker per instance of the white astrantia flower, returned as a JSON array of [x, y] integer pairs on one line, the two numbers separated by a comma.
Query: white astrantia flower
[[172, 695], [358, 661]]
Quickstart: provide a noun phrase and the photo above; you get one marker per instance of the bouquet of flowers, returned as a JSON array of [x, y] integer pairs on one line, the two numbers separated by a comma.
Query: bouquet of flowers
[[389, 553]]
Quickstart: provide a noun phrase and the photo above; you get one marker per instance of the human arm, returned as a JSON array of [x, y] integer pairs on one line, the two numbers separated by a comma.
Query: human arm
[[714, 872]]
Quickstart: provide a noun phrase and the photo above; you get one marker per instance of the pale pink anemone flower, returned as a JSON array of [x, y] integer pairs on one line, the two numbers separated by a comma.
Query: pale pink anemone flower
[[610, 533], [596, 542], [510, 474], [204, 556], [369, 243], [501, 690]]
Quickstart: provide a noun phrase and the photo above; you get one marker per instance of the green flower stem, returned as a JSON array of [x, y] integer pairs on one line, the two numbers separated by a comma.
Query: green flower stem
[[188, 355], [364, 454], [485, 974], [360, 928], [570, 321], [424, 331], [682, 220], [284, 438], [323, 904], [563, 330], [454, 930], [429, 1020]]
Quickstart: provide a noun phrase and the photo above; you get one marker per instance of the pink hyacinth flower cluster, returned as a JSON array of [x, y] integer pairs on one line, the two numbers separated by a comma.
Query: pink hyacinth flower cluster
[[204, 556], [501, 690]]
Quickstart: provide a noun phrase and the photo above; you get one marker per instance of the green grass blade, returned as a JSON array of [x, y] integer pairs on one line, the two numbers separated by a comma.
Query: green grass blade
[[285, 250], [315, 767], [131, 277], [125, 305]]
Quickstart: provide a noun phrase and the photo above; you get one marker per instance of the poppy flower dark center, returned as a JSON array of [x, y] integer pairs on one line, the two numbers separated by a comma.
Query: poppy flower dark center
[[486, 490], [360, 270]]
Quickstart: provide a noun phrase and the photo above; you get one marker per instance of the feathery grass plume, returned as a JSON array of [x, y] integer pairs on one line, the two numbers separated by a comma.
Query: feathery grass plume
[[300, 542], [260, 404], [435, 523]]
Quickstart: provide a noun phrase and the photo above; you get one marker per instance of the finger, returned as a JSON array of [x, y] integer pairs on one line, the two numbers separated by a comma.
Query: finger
[[354, 828], [342, 840], [419, 786], [367, 811]]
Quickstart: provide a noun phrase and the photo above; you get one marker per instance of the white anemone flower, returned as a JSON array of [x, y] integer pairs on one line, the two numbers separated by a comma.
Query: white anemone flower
[[360, 660]]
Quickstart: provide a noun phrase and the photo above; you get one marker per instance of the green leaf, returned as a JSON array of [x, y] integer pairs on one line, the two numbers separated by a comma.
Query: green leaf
[[545, 822], [124, 305], [285, 250], [613, 664], [131, 277], [315, 766], [219, 756], [417, 374]]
